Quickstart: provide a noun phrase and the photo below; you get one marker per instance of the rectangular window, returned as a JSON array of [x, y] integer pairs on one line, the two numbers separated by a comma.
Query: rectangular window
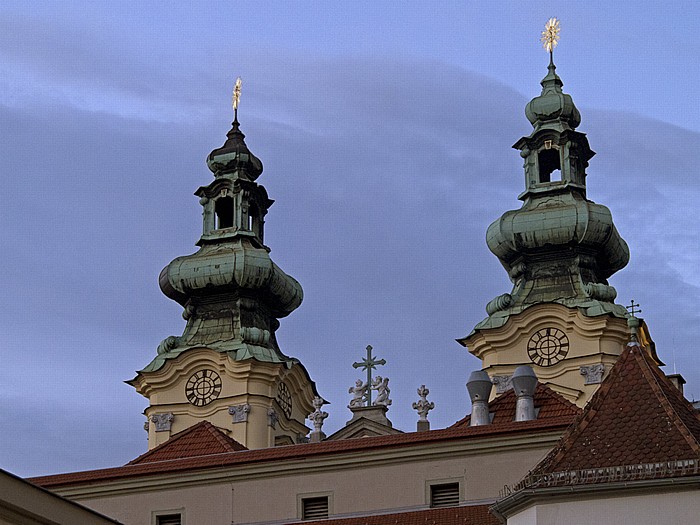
[[169, 519], [444, 495], [314, 508]]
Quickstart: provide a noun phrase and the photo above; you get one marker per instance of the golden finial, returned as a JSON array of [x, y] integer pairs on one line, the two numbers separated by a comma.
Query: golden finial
[[550, 35], [236, 94]]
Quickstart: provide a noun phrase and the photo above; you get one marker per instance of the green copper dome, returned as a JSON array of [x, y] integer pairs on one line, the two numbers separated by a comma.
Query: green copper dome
[[235, 157], [559, 247], [553, 108], [232, 292]]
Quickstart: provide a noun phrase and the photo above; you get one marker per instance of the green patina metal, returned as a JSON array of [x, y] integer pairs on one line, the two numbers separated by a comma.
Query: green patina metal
[[232, 292], [559, 247], [369, 363]]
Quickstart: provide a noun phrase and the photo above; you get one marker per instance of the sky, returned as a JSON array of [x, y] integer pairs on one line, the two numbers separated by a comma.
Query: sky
[[385, 129]]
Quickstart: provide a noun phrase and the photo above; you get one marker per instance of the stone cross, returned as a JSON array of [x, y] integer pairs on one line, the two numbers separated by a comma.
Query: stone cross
[[369, 363]]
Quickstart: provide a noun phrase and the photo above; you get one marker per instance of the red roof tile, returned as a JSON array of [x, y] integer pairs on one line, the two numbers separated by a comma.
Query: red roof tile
[[230, 459], [549, 403], [198, 440], [473, 515], [636, 417]]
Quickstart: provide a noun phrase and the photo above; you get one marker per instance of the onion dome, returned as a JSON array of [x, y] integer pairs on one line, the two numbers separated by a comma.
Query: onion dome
[[232, 292], [559, 247], [553, 108], [231, 268], [234, 157]]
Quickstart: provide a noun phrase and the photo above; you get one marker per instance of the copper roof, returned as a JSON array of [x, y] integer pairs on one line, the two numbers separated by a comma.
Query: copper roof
[[549, 403], [473, 515], [636, 417]]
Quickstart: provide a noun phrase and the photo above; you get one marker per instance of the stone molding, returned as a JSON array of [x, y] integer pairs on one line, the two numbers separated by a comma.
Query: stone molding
[[593, 374], [239, 412], [503, 383], [163, 422], [272, 418]]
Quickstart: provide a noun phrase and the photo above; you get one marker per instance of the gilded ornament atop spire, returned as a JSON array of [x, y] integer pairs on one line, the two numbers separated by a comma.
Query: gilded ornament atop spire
[[236, 98], [550, 35]]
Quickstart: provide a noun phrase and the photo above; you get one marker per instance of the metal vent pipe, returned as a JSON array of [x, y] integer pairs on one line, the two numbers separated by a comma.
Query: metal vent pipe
[[524, 384], [479, 387]]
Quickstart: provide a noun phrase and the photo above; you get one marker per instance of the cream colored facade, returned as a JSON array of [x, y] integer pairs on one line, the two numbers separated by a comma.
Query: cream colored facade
[[371, 481], [250, 382], [670, 506], [22, 503], [592, 340]]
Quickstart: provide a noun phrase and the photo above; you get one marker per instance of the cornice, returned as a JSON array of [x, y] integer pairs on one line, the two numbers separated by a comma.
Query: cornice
[[264, 469]]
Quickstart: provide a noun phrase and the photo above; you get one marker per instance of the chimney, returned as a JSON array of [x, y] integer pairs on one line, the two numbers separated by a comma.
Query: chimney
[[677, 380], [524, 384], [479, 387]]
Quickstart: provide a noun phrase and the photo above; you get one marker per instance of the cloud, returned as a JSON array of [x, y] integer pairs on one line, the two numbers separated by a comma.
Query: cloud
[[386, 174]]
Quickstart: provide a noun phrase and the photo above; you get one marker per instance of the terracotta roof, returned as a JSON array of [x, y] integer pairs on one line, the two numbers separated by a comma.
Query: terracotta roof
[[473, 515], [549, 403], [198, 440], [293, 452], [636, 417]]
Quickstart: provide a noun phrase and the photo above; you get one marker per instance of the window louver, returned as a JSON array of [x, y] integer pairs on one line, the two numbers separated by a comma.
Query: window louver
[[445, 495], [170, 519], [315, 508]]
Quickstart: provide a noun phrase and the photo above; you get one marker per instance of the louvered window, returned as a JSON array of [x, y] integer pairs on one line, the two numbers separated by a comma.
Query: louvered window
[[170, 519], [444, 495], [314, 508]]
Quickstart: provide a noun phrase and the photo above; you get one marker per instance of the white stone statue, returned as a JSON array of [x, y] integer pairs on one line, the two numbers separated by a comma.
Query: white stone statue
[[317, 416], [381, 385], [423, 406], [358, 394]]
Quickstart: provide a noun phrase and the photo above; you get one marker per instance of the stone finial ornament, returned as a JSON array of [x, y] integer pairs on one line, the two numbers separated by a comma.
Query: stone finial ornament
[[239, 412], [423, 406], [359, 393], [593, 374], [163, 422], [381, 385], [317, 416]]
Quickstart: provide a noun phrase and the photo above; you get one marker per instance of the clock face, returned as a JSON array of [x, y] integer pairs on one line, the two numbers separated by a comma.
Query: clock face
[[203, 387], [548, 346], [284, 399]]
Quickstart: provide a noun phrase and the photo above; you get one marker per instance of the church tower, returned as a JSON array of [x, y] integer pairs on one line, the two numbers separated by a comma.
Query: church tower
[[227, 367], [559, 250]]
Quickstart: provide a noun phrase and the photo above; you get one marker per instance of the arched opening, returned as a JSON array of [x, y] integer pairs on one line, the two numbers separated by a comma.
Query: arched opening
[[253, 219], [224, 212], [549, 165]]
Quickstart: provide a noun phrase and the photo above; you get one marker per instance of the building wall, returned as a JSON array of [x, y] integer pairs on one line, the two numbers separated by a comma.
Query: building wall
[[374, 482], [649, 508], [591, 341]]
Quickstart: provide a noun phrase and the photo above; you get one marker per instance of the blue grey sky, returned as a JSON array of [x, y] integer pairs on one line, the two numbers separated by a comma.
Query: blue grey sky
[[385, 129]]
